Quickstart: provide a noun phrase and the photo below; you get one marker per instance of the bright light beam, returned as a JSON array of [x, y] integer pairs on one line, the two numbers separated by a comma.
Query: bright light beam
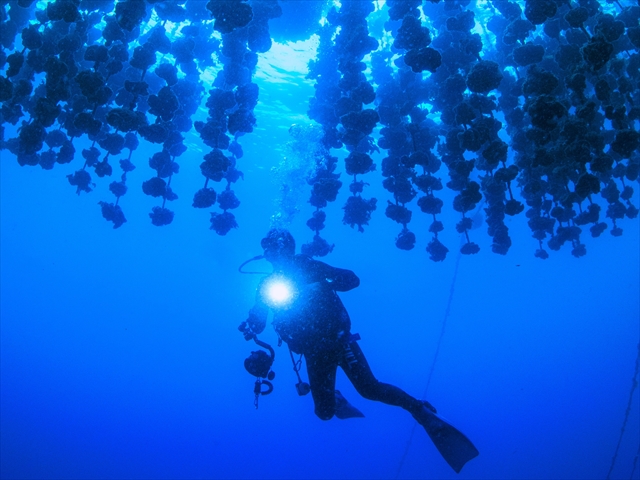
[[278, 293]]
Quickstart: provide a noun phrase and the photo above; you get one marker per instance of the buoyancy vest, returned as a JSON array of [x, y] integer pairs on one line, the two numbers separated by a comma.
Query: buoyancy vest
[[315, 320]]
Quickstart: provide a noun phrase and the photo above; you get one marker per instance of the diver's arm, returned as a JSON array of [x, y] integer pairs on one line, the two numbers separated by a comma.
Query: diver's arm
[[257, 319], [340, 279]]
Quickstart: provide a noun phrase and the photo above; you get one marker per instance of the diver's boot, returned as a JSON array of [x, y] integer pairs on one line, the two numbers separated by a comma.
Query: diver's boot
[[428, 406], [344, 409], [452, 444], [424, 414]]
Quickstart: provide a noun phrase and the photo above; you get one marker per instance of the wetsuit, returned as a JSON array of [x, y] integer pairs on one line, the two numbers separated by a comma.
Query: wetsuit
[[318, 326]]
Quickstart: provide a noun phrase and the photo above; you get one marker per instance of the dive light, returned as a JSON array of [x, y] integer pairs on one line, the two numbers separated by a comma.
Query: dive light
[[278, 292]]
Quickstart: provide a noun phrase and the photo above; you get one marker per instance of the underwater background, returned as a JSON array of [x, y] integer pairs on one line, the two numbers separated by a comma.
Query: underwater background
[[119, 350]]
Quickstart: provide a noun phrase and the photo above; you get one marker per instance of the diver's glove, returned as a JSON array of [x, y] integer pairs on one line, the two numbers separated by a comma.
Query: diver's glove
[[246, 331], [255, 323], [251, 326]]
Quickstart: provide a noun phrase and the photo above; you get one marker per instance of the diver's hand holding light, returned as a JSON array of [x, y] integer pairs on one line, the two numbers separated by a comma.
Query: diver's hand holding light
[[277, 292]]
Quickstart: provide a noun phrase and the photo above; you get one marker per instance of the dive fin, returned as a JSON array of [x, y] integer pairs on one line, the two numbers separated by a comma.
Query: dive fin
[[344, 409], [452, 444]]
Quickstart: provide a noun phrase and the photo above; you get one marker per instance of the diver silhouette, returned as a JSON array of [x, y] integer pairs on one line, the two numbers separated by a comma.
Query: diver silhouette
[[310, 317]]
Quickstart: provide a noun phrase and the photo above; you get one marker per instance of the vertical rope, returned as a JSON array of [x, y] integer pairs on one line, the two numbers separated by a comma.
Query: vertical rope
[[435, 358], [444, 325], [635, 463], [634, 384]]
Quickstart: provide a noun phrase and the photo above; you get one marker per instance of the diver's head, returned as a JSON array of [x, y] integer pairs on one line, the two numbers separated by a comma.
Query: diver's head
[[279, 246]]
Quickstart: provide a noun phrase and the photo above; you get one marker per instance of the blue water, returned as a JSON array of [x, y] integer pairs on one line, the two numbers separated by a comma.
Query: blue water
[[120, 355]]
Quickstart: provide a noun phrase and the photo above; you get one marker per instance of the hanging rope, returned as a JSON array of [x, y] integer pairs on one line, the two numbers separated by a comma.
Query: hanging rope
[[634, 384], [435, 359], [635, 463]]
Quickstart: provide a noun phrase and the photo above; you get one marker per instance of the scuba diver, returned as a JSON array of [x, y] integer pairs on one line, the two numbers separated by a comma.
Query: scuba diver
[[310, 317]]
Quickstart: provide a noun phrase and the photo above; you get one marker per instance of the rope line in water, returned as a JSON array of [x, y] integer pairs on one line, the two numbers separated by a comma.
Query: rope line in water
[[444, 325], [635, 462], [433, 363], [634, 384]]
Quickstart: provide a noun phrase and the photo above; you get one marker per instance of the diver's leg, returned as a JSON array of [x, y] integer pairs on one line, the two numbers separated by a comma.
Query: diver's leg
[[321, 369], [452, 444], [355, 365]]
